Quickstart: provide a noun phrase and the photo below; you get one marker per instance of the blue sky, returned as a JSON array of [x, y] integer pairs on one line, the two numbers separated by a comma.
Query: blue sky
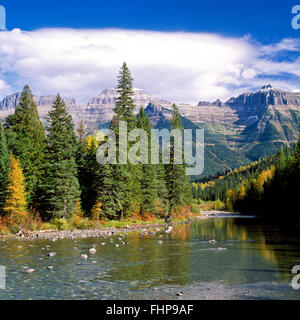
[[267, 20], [198, 50]]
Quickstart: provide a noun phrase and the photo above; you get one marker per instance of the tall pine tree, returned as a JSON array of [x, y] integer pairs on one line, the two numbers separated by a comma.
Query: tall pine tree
[[28, 141], [177, 183], [61, 187], [120, 193], [90, 176], [148, 181]]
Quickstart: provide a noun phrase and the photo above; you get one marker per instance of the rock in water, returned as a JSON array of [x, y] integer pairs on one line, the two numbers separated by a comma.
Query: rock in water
[[84, 256], [29, 270], [92, 251], [51, 254], [169, 230]]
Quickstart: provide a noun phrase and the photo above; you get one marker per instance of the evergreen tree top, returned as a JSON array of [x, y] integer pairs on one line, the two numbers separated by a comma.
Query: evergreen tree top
[[143, 121], [124, 102], [26, 114], [176, 119]]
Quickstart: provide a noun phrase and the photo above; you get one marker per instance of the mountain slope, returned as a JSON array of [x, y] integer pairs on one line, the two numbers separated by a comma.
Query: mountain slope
[[242, 129]]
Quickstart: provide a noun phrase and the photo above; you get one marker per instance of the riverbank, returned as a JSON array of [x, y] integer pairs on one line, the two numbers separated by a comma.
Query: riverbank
[[106, 231]]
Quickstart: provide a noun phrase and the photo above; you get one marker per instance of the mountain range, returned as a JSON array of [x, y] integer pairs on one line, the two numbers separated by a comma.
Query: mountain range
[[237, 131]]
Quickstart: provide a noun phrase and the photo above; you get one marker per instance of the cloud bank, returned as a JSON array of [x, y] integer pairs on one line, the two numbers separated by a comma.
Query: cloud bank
[[179, 66]]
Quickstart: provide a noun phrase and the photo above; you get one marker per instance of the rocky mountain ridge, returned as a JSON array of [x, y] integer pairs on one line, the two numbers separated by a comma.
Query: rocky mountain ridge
[[249, 126]]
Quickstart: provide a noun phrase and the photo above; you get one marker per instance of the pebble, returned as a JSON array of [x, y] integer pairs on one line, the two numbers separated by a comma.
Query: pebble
[[169, 230], [213, 241], [92, 251], [29, 270], [179, 294], [84, 256], [51, 254]]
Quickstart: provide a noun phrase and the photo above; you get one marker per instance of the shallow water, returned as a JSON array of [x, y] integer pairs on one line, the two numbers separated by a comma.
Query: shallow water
[[250, 260]]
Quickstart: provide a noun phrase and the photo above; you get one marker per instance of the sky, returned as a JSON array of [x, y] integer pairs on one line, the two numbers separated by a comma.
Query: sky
[[181, 51]]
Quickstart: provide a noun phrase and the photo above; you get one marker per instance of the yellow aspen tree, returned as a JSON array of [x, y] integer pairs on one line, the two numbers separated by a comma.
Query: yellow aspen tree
[[15, 204], [96, 211]]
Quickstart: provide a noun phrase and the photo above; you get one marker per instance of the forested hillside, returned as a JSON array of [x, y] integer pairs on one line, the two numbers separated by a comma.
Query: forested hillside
[[266, 187]]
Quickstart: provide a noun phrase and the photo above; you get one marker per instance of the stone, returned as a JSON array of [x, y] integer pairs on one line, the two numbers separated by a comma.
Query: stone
[[29, 270], [92, 251], [51, 254]]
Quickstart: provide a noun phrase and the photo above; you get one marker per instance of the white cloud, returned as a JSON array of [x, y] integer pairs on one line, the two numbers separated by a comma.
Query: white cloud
[[179, 67]]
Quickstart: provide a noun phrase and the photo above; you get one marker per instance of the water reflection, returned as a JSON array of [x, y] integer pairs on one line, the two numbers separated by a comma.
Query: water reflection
[[246, 252]]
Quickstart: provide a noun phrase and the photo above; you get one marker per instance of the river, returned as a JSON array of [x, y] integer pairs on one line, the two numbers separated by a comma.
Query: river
[[249, 259]]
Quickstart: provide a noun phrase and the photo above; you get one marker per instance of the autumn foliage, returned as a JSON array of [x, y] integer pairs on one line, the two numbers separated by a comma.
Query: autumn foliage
[[15, 207]]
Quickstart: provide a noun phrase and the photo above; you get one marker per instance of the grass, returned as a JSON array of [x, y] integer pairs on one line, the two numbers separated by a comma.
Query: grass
[[79, 222]]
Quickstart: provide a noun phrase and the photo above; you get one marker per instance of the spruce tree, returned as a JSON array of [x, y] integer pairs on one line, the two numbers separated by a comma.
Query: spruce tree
[[161, 186], [28, 141], [124, 102], [148, 181], [15, 205], [4, 167], [179, 192], [90, 177], [61, 187], [121, 181], [81, 132]]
